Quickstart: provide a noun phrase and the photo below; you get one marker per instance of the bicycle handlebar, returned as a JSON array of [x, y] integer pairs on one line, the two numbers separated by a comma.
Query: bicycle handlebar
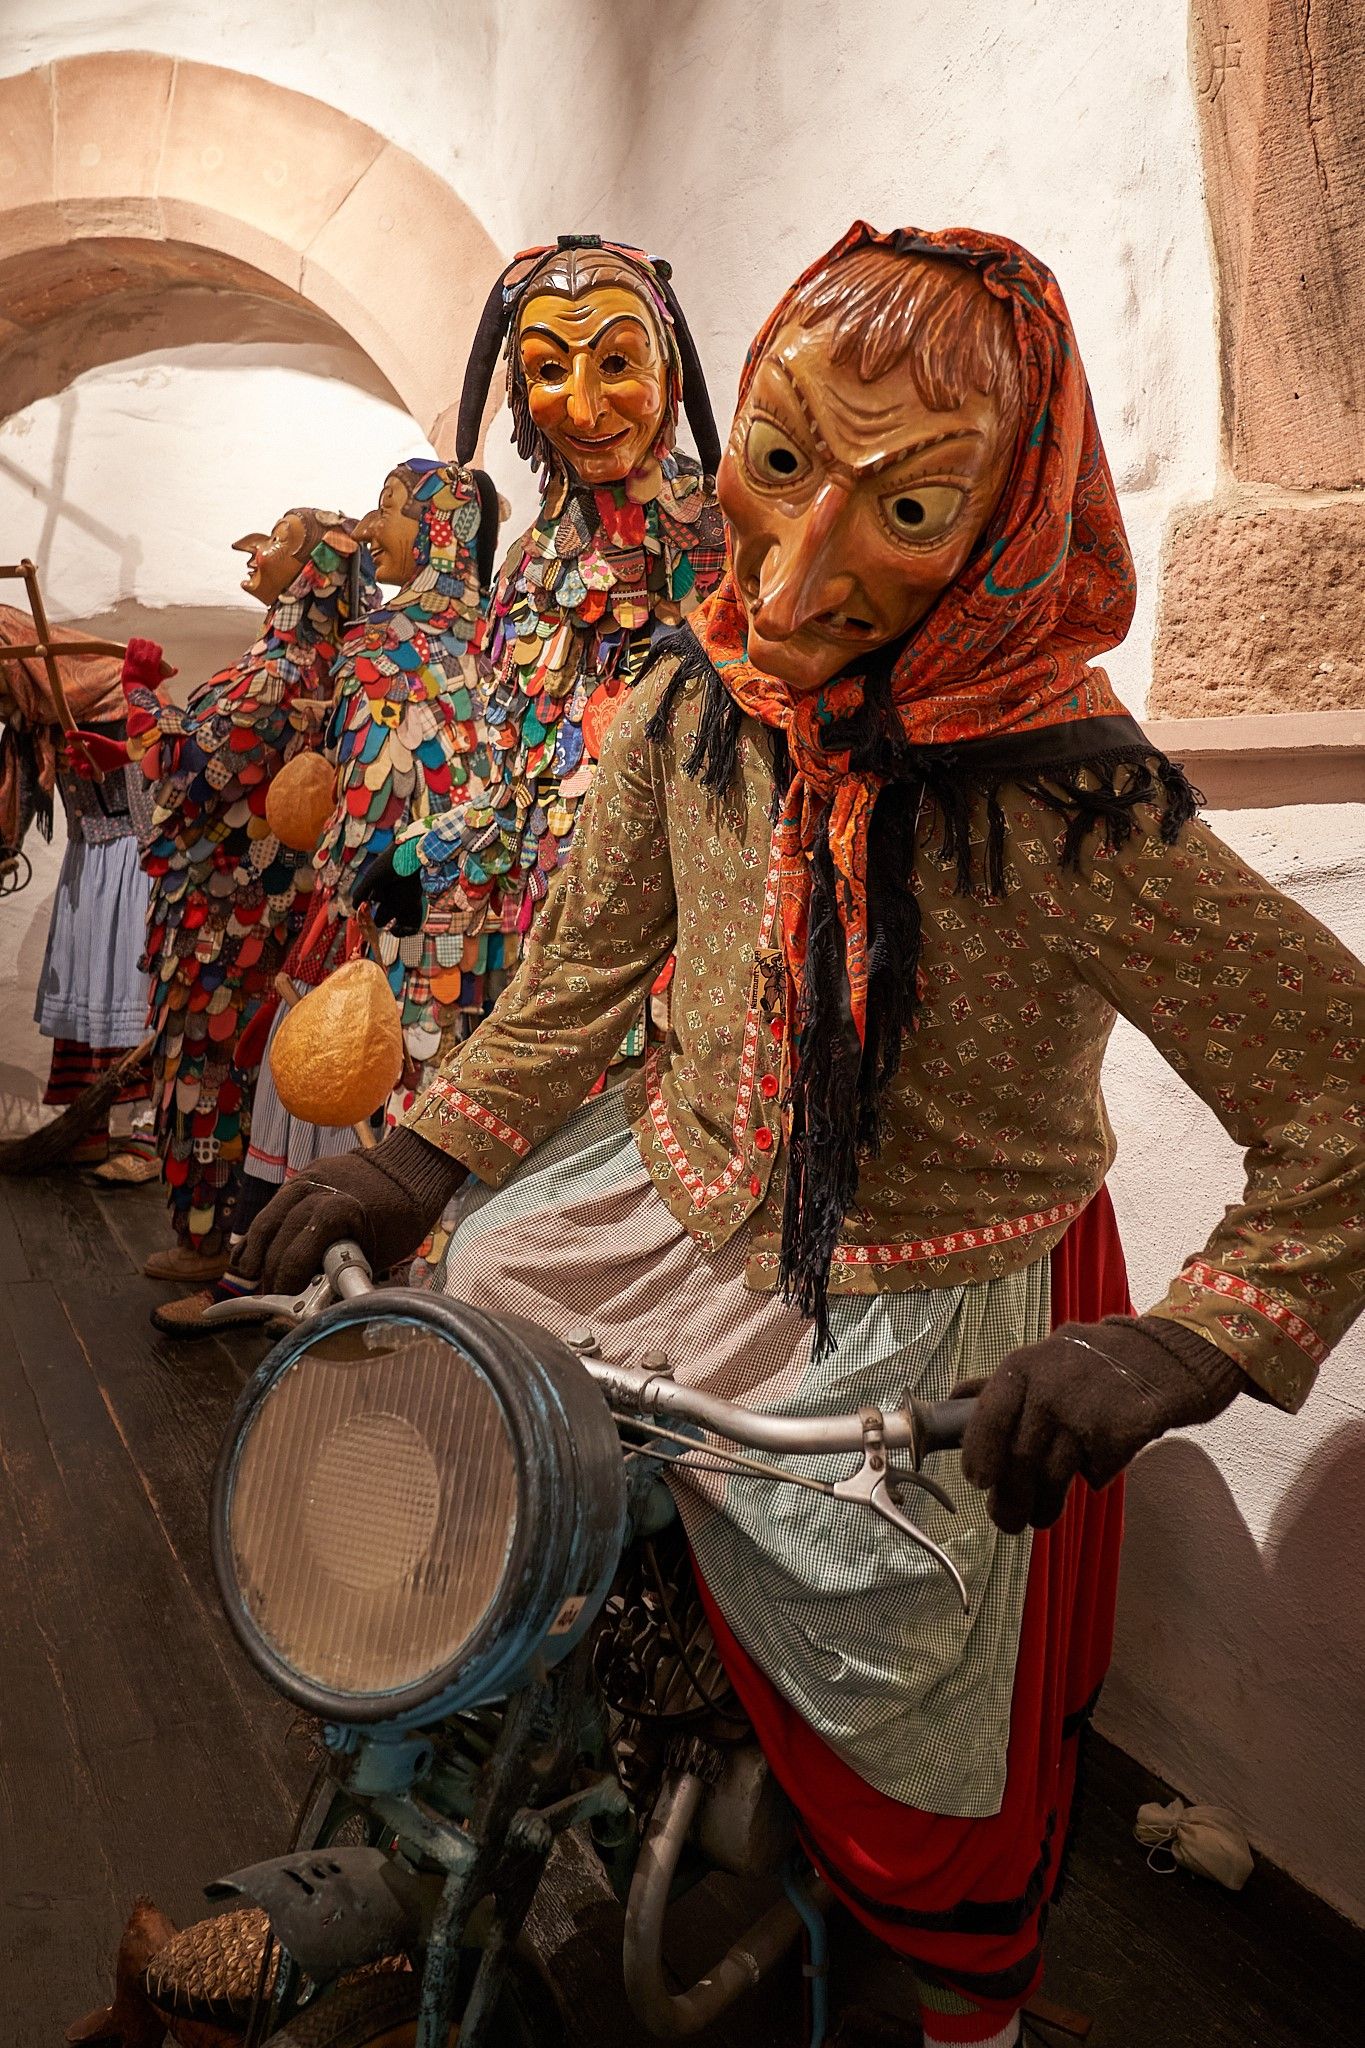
[[919, 1427], [644, 1398]]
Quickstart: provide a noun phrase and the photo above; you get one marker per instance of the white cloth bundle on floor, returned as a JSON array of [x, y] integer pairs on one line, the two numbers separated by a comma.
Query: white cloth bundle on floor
[[1206, 1839]]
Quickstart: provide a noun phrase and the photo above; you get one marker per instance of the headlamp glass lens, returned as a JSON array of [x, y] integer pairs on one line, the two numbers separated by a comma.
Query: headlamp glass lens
[[373, 1507]]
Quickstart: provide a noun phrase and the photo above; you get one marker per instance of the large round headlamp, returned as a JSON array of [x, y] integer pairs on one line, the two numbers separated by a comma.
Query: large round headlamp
[[415, 1501]]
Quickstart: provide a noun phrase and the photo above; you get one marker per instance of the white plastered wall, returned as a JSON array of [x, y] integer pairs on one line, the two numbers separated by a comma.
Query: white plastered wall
[[130, 486], [739, 137]]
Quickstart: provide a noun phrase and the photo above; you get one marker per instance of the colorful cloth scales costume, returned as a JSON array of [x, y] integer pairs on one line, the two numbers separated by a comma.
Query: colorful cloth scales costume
[[578, 605], [227, 897], [405, 732]]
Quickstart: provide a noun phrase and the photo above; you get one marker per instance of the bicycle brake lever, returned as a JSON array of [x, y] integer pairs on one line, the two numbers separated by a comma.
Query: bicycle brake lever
[[901, 1475], [255, 1308], [868, 1488]]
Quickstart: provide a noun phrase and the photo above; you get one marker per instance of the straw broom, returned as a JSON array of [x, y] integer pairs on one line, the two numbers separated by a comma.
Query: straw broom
[[39, 1151]]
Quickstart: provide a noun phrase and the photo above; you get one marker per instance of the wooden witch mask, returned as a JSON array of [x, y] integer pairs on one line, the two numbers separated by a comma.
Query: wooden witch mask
[[870, 450]]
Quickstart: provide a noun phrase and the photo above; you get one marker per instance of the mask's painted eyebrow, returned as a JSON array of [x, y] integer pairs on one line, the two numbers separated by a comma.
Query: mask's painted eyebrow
[[559, 341], [618, 320], [883, 462], [548, 334]]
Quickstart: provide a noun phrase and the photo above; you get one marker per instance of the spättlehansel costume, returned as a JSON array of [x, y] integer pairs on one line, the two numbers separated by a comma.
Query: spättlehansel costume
[[870, 1156], [578, 605], [92, 991], [406, 734], [227, 897]]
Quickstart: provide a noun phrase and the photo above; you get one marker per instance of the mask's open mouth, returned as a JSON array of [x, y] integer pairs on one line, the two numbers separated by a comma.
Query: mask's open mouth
[[590, 444], [845, 625]]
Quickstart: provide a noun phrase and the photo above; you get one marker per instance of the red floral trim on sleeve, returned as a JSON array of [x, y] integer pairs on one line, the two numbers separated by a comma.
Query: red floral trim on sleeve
[[1207, 1279], [475, 1113]]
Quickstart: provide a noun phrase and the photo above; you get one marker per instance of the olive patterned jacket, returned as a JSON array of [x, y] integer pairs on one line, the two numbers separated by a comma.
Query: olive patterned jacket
[[996, 1131]]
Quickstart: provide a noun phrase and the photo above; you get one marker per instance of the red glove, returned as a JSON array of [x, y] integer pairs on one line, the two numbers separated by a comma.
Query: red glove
[[143, 666], [92, 757]]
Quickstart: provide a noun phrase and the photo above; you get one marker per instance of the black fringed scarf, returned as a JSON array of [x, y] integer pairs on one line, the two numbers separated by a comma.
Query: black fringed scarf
[[1093, 774]]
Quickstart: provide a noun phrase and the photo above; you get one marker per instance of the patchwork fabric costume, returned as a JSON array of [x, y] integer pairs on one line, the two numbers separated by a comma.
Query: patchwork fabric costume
[[92, 991], [578, 605], [406, 733], [871, 1154], [227, 897]]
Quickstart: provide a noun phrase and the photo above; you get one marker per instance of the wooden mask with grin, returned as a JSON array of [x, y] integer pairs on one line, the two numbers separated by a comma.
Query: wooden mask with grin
[[595, 367]]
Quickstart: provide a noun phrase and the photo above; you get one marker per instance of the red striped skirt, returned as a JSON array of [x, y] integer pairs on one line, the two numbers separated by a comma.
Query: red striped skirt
[[75, 1065]]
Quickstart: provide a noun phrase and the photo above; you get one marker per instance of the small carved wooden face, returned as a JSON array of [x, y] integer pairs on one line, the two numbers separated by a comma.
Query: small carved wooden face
[[852, 505], [596, 378], [390, 533], [274, 558]]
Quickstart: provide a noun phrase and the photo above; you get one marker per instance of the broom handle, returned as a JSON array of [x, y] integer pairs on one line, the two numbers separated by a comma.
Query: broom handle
[[135, 1054], [369, 931], [116, 648], [290, 997], [28, 570]]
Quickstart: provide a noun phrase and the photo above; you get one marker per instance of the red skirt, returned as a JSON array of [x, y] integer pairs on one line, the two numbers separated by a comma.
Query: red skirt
[[967, 1899], [75, 1065]]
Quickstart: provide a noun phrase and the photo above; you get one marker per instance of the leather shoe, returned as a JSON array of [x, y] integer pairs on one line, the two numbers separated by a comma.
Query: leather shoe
[[181, 1262]]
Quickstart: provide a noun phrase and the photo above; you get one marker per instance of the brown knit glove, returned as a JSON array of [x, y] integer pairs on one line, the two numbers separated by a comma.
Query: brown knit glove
[[385, 1201], [1084, 1402]]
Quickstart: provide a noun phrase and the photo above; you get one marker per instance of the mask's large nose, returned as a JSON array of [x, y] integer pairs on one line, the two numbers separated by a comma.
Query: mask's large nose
[[252, 544], [364, 528], [802, 574], [585, 394]]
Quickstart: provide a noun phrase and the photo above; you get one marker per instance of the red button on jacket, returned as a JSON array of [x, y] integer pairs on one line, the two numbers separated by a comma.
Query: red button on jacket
[[768, 1086], [763, 1138]]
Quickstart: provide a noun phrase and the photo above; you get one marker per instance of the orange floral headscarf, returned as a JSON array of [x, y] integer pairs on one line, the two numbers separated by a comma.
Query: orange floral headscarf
[[1006, 649]]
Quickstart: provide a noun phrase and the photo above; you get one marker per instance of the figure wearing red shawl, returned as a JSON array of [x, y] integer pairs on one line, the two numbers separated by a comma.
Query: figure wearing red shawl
[[913, 856], [92, 992]]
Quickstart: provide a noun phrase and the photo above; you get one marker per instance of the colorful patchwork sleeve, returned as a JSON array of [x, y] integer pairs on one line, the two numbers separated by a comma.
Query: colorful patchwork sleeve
[[606, 930], [477, 843], [150, 719], [1262, 1011], [396, 751], [225, 736]]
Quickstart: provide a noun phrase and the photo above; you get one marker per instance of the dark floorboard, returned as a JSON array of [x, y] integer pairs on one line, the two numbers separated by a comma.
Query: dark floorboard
[[139, 1752]]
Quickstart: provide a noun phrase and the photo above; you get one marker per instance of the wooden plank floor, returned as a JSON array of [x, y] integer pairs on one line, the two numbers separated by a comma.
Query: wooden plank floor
[[139, 1752]]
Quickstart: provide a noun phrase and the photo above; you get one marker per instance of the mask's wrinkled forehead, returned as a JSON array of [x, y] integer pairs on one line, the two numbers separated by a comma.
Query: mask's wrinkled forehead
[[928, 316], [567, 273]]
